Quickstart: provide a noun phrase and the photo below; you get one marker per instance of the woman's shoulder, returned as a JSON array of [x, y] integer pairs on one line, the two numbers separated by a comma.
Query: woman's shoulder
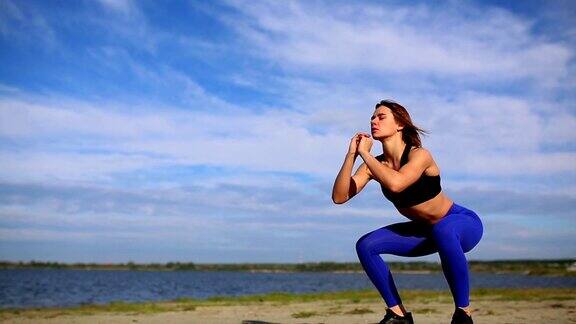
[[419, 152], [426, 156]]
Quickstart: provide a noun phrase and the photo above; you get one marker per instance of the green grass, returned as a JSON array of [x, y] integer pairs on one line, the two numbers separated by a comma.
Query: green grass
[[343, 297]]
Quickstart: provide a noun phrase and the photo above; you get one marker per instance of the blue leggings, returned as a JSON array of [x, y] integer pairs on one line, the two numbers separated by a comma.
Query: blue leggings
[[456, 233]]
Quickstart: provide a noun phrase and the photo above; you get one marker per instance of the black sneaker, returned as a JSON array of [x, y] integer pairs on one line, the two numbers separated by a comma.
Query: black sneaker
[[392, 318], [460, 317]]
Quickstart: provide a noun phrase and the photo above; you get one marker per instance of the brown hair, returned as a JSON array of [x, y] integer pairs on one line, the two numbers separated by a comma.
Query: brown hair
[[410, 132]]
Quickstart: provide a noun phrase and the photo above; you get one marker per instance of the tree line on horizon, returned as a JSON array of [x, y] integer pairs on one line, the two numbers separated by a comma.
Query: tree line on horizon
[[535, 267]]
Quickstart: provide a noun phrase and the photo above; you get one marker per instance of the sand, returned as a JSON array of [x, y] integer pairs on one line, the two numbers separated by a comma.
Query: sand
[[336, 311]]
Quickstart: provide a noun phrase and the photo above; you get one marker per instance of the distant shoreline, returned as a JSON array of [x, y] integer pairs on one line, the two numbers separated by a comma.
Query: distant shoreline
[[560, 267]]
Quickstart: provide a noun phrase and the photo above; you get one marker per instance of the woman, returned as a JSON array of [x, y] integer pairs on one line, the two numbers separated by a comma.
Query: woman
[[409, 178]]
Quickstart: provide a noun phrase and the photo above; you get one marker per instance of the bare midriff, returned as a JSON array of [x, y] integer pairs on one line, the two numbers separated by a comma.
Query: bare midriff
[[430, 211]]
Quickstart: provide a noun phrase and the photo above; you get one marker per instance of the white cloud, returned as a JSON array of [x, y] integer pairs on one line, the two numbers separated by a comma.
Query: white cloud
[[488, 135], [121, 6], [489, 43]]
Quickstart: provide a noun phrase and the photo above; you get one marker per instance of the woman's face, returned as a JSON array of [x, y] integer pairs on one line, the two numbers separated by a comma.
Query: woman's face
[[383, 124]]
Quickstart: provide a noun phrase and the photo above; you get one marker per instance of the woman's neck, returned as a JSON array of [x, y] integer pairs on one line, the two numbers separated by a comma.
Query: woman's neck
[[393, 147]]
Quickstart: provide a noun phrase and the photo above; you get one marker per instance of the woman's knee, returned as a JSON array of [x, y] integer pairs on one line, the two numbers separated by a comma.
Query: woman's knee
[[443, 229], [444, 233], [375, 242], [450, 233], [363, 244]]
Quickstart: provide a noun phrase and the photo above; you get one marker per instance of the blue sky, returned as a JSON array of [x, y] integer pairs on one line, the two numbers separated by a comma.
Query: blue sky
[[205, 131]]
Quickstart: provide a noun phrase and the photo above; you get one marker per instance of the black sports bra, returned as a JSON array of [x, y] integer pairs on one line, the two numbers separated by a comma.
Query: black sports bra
[[425, 188]]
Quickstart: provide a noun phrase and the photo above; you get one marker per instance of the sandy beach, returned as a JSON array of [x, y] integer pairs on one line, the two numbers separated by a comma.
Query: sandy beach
[[552, 308]]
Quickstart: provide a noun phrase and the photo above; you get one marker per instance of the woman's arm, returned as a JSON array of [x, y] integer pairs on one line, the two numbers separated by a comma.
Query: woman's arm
[[396, 181], [346, 187]]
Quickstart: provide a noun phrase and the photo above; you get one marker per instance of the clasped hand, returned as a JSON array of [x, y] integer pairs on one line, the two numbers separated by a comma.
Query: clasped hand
[[360, 143]]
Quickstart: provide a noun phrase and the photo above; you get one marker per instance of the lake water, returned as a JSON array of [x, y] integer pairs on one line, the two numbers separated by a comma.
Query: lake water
[[26, 288]]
